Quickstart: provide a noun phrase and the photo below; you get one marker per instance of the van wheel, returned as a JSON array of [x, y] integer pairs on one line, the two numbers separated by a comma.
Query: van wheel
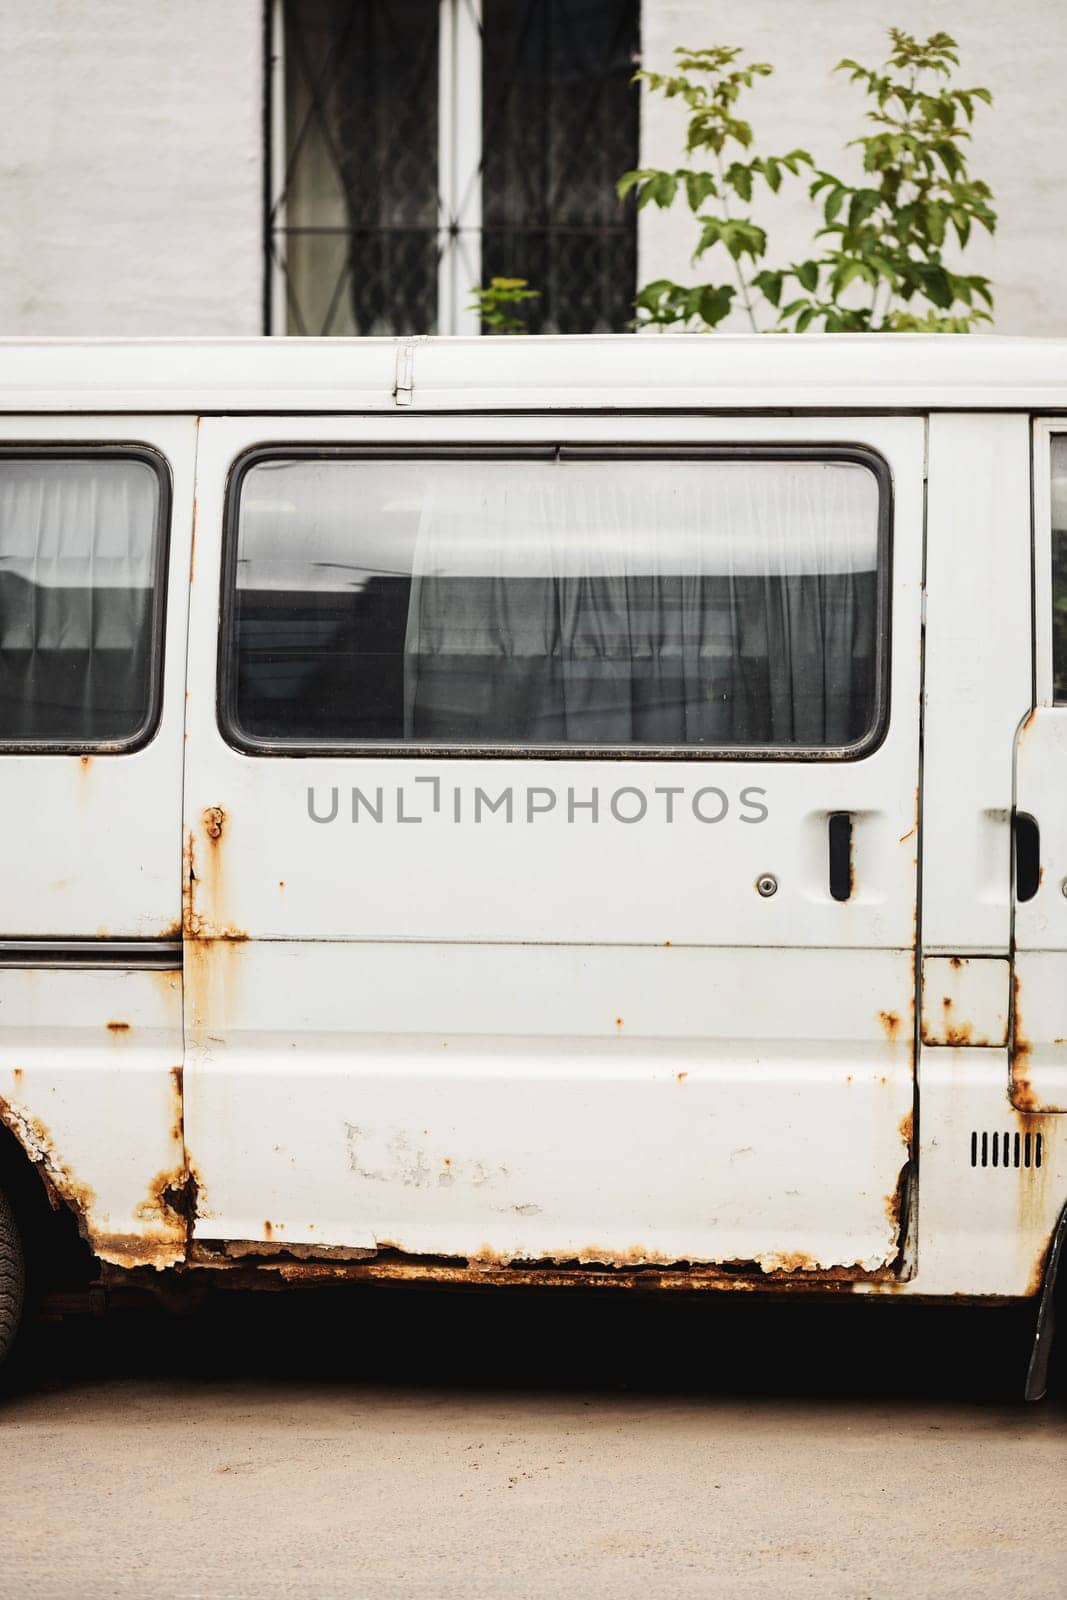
[[12, 1277]]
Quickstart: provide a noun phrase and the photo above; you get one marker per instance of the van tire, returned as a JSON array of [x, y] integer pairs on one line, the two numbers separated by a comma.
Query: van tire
[[12, 1278]]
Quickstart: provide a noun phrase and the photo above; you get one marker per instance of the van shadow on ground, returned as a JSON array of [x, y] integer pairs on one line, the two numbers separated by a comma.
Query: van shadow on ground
[[556, 1340]]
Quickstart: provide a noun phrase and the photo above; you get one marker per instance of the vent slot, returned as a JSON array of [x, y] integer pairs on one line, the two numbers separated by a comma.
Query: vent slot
[[1006, 1149]]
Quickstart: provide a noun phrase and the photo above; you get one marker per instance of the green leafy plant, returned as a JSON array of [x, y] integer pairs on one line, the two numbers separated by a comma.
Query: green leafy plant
[[710, 83], [879, 259], [494, 304]]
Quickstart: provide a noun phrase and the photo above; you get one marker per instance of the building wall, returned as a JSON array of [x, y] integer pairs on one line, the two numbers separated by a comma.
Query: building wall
[[131, 147], [131, 152], [1019, 147]]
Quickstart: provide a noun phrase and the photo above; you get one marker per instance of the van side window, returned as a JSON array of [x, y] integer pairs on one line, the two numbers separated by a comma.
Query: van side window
[[557, 599], [1059, 568], [80, 603]]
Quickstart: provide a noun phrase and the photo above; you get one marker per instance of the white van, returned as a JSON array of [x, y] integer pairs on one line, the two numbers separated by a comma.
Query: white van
[[536, 811]]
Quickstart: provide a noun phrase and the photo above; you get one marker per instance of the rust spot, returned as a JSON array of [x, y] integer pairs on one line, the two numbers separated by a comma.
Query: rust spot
[[890, 1021], [618, 1023], [635, 1268], [130, 1250], [238, 1248], [907, 1125], [1028, 722], [118, 1027], [959, 1035], [951, 1032], [281, 883], [85, 762], [214, 822], [190, 919], [177, 1080], [172, 1198], [681, 1076], [196, 924], [1023, 1095], [955, 962], [62, 1187], [16, 1077]]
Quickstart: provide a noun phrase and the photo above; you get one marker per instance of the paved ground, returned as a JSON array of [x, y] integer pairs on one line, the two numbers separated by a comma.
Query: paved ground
[[381, 1443]]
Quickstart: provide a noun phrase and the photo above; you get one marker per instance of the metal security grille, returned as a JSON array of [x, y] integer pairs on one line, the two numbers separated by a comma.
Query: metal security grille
[[420, 147], [560, 126]]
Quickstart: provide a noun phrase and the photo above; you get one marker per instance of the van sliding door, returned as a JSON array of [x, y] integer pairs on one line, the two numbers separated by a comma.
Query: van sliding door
[[550, 820]]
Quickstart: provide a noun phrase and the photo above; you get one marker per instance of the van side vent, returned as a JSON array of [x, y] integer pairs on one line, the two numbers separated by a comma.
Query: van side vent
[[1006, 1149]]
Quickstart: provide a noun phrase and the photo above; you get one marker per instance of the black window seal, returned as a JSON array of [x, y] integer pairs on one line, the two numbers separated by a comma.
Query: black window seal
[[82, 450], [822, 453]]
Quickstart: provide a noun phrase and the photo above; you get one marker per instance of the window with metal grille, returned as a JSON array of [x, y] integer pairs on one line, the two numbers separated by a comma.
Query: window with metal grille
[[421, 147]]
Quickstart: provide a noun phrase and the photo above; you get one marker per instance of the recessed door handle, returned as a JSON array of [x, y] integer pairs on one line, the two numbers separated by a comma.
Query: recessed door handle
[[1027, 838], [839, 833]]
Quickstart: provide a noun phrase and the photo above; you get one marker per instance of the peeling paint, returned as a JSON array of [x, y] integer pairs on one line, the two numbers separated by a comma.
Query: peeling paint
[[594, 1267], [169, 1206]]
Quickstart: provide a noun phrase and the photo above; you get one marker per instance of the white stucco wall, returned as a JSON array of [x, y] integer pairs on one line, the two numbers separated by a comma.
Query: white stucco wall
[[131, 144], [1020, 146], [130, 167]]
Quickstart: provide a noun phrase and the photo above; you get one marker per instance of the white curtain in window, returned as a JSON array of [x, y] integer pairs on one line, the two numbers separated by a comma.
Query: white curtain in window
[[77, 559], [644, 602]]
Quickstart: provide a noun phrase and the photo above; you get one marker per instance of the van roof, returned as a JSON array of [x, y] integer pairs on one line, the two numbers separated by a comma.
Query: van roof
[[618, 372]]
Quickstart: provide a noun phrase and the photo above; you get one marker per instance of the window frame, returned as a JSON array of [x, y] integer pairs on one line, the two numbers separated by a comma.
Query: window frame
[[255, 745], [160, 466], [459, 154], [1043, 589]]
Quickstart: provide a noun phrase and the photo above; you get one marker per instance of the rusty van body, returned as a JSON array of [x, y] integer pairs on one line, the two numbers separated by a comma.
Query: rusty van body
[[546, 811]]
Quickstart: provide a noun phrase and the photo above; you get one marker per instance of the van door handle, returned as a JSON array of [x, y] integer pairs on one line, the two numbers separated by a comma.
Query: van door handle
[[839, 835], [1027, 840]]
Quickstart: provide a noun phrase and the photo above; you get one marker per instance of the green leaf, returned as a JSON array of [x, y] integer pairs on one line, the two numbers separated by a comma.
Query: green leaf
[[848, 272], [713, 303], [769, 284], [807, 273], [739, 177], [698, 187], [935, 223]]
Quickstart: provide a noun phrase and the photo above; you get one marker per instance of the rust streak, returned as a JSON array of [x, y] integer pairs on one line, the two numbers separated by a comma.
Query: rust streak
[[214, 822], [177, 1080], [890, 1021], [1023, 1094]]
